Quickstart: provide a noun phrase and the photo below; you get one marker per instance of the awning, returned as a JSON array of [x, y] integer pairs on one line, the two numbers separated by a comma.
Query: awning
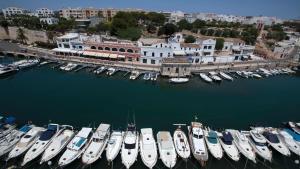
[[121, 56], [89, 53], [105, 55], [113, 56], [179, 52]]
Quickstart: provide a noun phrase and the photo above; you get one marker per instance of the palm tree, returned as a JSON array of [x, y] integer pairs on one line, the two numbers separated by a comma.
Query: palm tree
[[21, 36]]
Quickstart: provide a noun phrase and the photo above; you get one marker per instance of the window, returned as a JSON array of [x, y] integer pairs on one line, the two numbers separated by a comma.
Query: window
[[226, 47], [153, 54], [169, 54], [107, 48], [129, 50], [161, 45], [66, 46], [59, 45], [205, 47], [100, 48], [80, 47], [161, 54], [114, 49], [145, 53], [130, 59], [152, 61], [144, 60], [93, 47], [196, 60], [177, 70], [209, 47], [121, 50]]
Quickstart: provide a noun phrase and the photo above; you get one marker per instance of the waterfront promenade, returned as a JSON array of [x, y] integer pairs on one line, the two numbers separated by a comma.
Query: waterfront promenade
[[15, 49]]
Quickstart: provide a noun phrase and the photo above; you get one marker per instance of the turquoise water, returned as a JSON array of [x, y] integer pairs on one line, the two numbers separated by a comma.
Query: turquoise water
[[43, 94]]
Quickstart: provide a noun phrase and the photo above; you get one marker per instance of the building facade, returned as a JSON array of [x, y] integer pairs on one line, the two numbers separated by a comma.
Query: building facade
[[44, 13], [10, 11], [49, 21], [78, 13]]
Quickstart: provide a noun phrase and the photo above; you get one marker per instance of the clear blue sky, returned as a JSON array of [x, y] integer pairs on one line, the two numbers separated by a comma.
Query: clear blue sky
[[288, 9]]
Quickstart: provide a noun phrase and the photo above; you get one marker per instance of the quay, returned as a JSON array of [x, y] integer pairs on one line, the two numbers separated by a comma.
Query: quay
[[169, 68]]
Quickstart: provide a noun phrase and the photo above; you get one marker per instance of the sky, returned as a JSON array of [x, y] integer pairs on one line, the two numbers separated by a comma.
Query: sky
[[286, 9]]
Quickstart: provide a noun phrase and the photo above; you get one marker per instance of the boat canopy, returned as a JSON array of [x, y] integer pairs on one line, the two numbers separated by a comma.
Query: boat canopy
[[84, 132], [295, 135], [25, 128], [102, 131], [227, 138], [212, 137], [46, 135], [271, 137], [10, 120]]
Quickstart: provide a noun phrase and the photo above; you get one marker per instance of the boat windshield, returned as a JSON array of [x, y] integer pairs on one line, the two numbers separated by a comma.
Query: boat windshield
[[197, 136], [130, 146], [257, 143], [96, 140], [271, 137], [47, 135]]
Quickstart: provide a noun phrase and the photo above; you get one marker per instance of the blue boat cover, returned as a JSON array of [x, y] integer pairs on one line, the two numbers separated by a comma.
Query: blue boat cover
[[78, 144], [25, 128], [227, 137], [295, 135], [46, 135], [271, 137], [212, 137], [52, 127], [10, 120]]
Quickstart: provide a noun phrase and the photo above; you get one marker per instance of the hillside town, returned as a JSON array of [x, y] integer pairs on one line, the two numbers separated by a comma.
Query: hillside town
[[147, 38]]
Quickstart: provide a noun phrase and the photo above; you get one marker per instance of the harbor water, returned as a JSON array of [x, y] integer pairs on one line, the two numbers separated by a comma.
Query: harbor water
[[43, 94]]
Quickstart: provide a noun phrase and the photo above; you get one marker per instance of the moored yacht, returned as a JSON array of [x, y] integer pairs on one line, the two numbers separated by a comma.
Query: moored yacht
[[134, 75], [97, 144], [7, 124], [214, 77], [181, 144], [147, 76], [130, 146], [148, 149], [76, 147], [41, 144], [114, 145], [272, 138], [26, 142], [100, 70], [10, 140], [166, 149], [197, 142], [213, 144], [226, 76], [205, 78], [226, 141], [111, 71], [242, 143], [290, 139], [294, 127], [22, 64], [178, 80], [7, 71], [259, 144], [58, 143]]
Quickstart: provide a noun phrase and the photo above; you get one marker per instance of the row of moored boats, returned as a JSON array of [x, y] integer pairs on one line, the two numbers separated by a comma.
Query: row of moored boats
[[31, 142], [218, 77], [16, 66]]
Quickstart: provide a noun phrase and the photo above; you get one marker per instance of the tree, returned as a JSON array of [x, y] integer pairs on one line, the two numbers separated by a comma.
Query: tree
[[203, 31], [190, 39], [103, 27], [168, 29], [130, 33], [151, 28], [21, 36], [210, 32], [198, 24], [219, 43], [184, 24], [156, 18], [218, 33]]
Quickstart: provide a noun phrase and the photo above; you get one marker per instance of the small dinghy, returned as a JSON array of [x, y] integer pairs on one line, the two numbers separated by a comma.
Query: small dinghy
[[178, 80], [226, 76], [205, 78]]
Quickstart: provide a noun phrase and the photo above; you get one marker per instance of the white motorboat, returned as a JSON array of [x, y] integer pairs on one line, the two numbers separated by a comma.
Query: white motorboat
[[181, 144], [259, 144], [205, 78], [257, 76], [25, 142], [226, 141], [70, 67], [213, 144], [214, 77], [58, 143], [241, 74], [25, 63], [134, 75], [111, 71], [7, 124], [226, 76], [154, 76], [166, 149], [76, 147], [100, 70], [272, 138], [41, 144], [147, 76], [197, 142], [130, 146], [148, 149], [242, 143], [97, 144], [178, 80], [265, 72], [10, 140], [114, 145], [7, 71], [294, 127], [290, 139]]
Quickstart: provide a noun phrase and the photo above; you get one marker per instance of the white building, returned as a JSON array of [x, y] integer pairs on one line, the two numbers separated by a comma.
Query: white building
[[10, 11], [49, 21], [44, 13]]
